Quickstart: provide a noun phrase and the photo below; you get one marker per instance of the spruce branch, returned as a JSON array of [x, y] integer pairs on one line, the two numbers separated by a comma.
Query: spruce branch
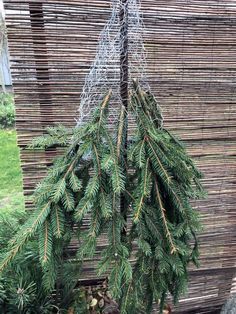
[[57, 222], [27, 231], [155, 179], [121, 131], [144, 191], [168, 234], [45, 243]]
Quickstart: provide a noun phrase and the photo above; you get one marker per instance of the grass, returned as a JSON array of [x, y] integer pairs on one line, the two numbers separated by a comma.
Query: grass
[[11, 191]]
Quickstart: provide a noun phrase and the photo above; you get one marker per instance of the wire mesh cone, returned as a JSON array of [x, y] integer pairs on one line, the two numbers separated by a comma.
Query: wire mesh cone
[[105, 72]]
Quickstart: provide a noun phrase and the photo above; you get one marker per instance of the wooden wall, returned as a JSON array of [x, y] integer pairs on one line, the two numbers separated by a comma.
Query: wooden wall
[[191, 48]]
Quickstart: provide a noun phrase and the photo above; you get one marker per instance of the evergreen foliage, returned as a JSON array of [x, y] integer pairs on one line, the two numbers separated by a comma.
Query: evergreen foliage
[[158, 180], [22, 290]]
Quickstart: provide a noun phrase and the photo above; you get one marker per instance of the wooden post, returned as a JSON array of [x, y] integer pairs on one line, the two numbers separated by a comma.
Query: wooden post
[[124, 84], [124, 57]]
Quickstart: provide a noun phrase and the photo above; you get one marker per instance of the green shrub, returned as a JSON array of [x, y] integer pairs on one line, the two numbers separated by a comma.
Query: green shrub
[[22, 286], [7, 110]]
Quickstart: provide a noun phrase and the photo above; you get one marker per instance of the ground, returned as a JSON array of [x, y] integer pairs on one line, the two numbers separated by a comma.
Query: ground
[[230, 306], [11, 192]]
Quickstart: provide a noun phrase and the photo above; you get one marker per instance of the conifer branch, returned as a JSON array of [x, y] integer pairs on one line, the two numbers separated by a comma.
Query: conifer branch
[[103, 107], [58, 225], [45, 243], [97, 159], [141, 150], [45, 248], [158, 160], [168, 234], [81, 211], [144, 193], [28, 230], [121, 127]]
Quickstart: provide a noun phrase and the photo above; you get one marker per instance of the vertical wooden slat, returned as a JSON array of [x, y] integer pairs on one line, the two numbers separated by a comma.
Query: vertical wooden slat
[[39, 41]]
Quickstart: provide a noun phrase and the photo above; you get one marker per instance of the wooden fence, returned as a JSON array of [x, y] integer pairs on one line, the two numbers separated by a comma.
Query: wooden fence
[[191, 48]]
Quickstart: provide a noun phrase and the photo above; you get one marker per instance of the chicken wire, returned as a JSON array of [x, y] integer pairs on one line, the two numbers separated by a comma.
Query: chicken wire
[[105, 72]]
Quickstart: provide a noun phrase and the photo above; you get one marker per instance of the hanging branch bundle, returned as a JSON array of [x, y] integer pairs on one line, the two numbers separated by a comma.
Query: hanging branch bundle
[[88, 180]]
